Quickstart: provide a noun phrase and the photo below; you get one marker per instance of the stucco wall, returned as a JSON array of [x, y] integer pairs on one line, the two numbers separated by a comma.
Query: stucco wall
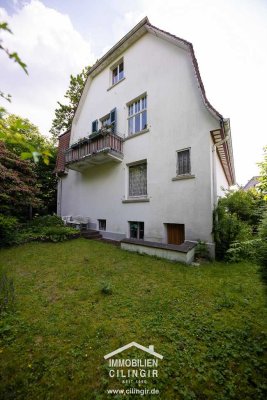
[[177, 119]]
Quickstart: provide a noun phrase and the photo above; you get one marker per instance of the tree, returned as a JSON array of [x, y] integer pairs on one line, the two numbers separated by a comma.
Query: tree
[[18, 184], [13, 56], [65, 112], [263, 173], [31, 142]]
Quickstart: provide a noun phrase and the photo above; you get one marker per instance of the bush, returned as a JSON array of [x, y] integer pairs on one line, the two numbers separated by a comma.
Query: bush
[[48, 234], [8, 230], [254, 250], [46, 220], [202, 250], [227, 229]]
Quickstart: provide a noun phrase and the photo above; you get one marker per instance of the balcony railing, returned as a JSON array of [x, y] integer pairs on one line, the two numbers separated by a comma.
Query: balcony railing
[[94, 151]]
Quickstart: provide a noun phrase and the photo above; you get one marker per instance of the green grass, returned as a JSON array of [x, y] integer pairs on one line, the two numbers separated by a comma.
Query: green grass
[[79, 300]]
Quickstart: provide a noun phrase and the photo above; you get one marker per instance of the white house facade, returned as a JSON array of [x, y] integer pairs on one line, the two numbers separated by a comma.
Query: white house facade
[[147, 154]]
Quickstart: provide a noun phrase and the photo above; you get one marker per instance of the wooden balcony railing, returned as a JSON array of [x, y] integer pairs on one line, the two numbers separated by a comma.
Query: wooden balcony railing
[[93, 146]]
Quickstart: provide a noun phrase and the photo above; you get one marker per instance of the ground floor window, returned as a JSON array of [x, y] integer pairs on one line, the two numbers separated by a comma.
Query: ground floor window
[[102, 224], [138, 179], [137, 230]]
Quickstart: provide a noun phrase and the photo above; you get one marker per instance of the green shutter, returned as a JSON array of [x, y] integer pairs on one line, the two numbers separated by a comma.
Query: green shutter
[[113, 120]]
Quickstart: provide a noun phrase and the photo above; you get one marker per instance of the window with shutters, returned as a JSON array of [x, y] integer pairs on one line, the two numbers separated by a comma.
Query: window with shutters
[[137, 115], [138, 180], [183, 162]]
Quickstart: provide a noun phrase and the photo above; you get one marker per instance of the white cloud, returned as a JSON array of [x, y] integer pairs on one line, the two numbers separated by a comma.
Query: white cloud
[[48, 43], [229, 38]]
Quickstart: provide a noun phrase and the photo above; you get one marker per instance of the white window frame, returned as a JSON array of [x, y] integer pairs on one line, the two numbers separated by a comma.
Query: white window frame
[[116, 67], [135, 113], [105, 120], [177, 162]]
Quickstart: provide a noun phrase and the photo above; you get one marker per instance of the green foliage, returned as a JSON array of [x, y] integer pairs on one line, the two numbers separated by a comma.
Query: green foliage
[[8, 230], [46, 220], [13, 56], [46, 228], [201, 250], [64, 113], [248, 206], [18, 184], [227, 229], [48, 234], [24, 139], [7, 292], [254, 250], [236, 219], [263, 173]]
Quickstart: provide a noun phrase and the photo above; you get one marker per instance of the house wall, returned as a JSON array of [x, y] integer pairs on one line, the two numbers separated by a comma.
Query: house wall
[[177, 119]]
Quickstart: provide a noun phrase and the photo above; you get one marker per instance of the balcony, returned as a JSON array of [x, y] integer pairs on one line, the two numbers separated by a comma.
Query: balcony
[[99, 149]]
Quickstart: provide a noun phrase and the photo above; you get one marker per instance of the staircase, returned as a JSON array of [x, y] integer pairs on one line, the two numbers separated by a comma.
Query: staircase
[[91, 234]]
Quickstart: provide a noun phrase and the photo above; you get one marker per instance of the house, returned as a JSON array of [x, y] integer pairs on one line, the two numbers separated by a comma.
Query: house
[[147, 154], [252, 183]]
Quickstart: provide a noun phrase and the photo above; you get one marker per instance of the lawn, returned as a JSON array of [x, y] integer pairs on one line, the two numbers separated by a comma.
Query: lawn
[[79, 300]]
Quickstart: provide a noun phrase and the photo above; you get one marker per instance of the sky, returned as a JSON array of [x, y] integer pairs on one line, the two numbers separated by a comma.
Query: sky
[[57, 38]]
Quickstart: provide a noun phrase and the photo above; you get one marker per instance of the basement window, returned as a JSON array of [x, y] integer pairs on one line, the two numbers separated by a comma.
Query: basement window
[[102, 223], [137, 230]]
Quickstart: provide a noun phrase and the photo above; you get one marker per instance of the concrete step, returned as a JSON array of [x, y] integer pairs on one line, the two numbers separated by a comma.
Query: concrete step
[[91, 234], [91, 237]]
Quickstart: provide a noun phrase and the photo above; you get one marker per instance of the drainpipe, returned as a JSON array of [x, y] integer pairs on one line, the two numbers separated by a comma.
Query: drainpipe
[[214, 146]]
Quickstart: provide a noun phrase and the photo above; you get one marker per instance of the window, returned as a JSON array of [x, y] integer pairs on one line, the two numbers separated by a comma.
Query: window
[[94, 126], [105, 120], [102, 224], [137, 115], [138, 180], [118, 73], [136, 230], [183, 162], [110, 120]]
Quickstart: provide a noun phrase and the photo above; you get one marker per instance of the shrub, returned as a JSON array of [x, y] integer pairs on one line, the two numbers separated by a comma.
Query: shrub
[[8, 230], [253, 250], [227, 229], [48, 233], [46, 220], [202, 250]]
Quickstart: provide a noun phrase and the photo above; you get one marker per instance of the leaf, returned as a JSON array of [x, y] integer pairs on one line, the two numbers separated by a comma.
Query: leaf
[[18, 60], [25, 155], [35, 155], [5, 27]]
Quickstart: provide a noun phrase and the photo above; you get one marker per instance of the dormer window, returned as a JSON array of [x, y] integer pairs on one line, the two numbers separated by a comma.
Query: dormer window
[[118, 72]]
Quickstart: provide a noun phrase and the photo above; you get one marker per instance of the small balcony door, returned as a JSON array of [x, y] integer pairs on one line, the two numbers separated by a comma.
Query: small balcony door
[[175, 233]]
